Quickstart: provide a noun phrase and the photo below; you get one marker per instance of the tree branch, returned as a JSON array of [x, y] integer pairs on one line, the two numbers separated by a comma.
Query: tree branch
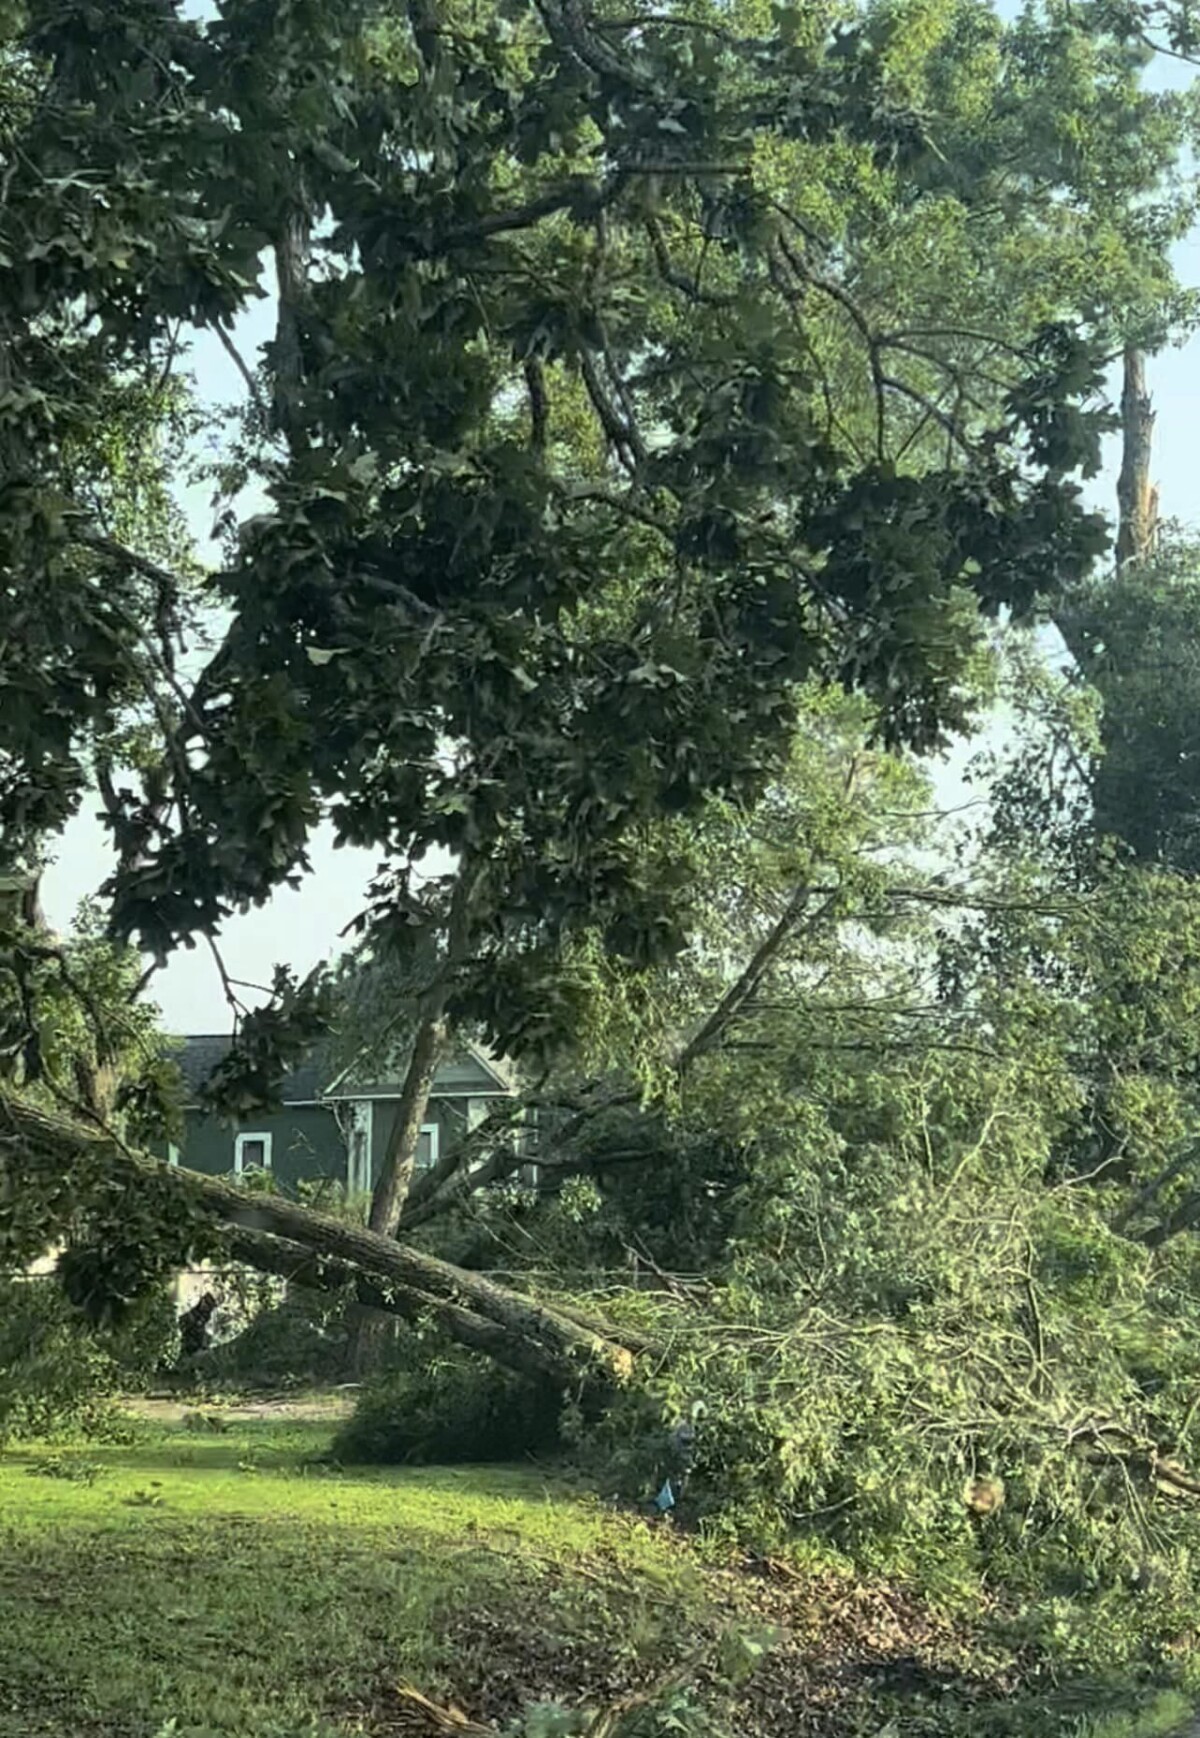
[[743, 988], [429, 1043], [37, 1146], [624, 440], [539, 404], [239, 363], [680, 280]]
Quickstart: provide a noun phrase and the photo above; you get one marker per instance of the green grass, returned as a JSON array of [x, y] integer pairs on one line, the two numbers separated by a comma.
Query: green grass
[[226, 1583], [1165, 1714]]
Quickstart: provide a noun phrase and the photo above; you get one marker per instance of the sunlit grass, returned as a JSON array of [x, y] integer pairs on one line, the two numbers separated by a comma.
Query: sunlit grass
[[232, 1583], [229, 1581]]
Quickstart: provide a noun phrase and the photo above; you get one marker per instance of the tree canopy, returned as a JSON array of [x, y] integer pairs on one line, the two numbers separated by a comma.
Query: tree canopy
[[668, 415], [601, 411]]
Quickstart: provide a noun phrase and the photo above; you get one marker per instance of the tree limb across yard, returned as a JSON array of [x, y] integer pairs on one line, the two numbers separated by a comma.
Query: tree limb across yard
[[44, 1153]]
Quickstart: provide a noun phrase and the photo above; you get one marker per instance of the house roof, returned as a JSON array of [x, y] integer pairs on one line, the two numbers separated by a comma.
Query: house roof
[[469, 1069], [501, 1071]]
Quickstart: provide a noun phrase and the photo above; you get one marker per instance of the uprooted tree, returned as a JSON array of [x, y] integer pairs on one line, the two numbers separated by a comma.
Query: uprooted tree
[[630, 372]]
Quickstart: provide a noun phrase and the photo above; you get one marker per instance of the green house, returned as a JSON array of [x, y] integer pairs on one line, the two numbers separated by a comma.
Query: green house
[[328, 1128]]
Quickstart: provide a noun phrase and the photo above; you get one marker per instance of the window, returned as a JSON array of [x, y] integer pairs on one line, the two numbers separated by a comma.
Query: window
[[251, 1152], [172, 1153], [427, 1146]]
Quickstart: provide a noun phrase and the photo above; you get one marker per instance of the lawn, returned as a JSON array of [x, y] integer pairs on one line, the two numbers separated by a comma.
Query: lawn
[[231, 1583]]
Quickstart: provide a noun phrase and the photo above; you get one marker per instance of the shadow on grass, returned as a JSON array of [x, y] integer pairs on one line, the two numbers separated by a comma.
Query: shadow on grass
[[200, 1457]]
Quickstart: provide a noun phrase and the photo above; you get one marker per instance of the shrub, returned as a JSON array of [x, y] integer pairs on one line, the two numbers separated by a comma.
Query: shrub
[[58, 1375], [300, 1339], [449, 1406]]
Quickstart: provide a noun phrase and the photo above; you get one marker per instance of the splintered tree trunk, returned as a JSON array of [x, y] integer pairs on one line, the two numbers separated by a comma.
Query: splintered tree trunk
[[1136, 499]]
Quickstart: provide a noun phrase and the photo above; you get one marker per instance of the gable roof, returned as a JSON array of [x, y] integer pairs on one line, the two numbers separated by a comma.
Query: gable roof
[[494, 1066], [471, 1071]]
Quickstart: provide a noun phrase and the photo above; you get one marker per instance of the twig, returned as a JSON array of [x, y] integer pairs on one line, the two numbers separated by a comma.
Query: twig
[[236, 357], [235, 1002], [680, 280]]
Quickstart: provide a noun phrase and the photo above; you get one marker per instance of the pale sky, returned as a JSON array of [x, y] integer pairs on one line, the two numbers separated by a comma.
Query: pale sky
[[302, 928]]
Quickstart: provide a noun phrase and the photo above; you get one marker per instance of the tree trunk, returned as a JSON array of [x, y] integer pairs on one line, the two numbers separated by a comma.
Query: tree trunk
[[293, 249], [368, 1328], [400, 1161], [405, 1281], [429, 1044], [44, 1153], [494, 1340], [1137, 501], [390, 1193]]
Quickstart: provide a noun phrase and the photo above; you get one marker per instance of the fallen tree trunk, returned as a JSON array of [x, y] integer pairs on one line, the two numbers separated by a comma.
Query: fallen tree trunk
[[290, 1261], [42, 1149]]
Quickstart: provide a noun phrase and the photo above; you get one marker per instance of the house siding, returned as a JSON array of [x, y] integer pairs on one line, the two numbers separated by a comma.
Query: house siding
[[450, 1116], [306, 1144], [309, 1139]]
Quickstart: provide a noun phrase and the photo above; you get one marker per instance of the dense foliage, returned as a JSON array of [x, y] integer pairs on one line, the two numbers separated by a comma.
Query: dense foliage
[[56, 1380], [1136, 643], [626, 372], [663, 412], [912, 1239], [444, 1406]]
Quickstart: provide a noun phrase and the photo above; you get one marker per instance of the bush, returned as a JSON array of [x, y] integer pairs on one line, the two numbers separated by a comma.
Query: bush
[[301, 1339], [58, 1375], [448, 1406]]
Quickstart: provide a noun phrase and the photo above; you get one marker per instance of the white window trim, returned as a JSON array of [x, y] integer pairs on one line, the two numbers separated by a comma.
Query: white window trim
[[239, 1142], [433, 1130]]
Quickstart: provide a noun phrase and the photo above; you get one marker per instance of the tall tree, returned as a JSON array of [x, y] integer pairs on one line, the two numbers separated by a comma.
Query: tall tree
[[589, 435]]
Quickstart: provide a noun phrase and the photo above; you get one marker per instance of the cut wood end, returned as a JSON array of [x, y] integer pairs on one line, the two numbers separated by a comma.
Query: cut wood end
[[622, 1363]]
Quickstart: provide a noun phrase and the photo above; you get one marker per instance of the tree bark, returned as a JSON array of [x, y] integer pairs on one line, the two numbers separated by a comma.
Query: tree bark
[[293, 250], [400, 1162], [1136, 499]]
